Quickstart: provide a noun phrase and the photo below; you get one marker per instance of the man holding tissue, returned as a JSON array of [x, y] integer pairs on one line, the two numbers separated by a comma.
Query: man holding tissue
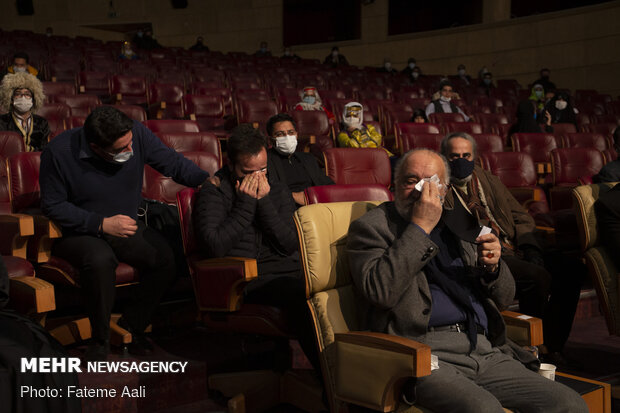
[[547, 285], [426, 273]]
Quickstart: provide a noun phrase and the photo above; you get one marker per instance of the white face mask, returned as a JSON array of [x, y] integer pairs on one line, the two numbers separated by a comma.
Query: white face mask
[[19, 69], [335, 53], [561, 104], [122, 157], [387, 65], [22, 104], [461, 72], [411, 65], [286, 145], [445, 99], [415, 74], [353, 122]]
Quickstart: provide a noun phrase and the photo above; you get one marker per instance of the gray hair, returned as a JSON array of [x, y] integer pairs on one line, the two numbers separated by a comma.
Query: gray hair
[[464, 135], [400, 165]]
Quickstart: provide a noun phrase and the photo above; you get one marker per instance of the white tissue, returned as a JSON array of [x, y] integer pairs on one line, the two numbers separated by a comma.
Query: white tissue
[[485, 230], [433, 178]]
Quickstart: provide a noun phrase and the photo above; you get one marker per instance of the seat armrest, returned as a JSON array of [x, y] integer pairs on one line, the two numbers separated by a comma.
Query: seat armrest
[[219, 282], [30, 295], [40, 245], [15, 230], [371, 368], [523, 329]]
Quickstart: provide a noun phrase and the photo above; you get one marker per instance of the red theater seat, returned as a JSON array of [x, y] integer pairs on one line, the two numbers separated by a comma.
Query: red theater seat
[[445, 117], [51, 89], [568, 166], [133, 111], [488, 142], [171, 125], [166, 100], [537, 145], [586, 140], [358, 166], [193, 142], [347, 193], [467, 127], [129, 90], [410, 141], [313, 123], [81, 105], [95, 83]]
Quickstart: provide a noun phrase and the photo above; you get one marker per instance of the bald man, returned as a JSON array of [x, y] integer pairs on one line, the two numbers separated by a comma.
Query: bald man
[[426, 273]]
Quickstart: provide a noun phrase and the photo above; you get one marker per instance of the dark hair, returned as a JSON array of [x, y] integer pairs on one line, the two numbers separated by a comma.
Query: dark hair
[[544, 69], [419, 112], [244, 140], [617, 136], [335, 48], [105, 125], [22, 55], [280, 117], [445, 83]]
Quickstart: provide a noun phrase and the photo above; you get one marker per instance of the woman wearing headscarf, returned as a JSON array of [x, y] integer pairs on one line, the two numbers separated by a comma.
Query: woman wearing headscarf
[[561, 110], [22, 95], [354, 133], [538, 97], [526, 120], [310, 100]]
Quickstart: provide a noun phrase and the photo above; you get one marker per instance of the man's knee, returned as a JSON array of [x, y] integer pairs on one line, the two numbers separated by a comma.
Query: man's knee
[[102, 261]]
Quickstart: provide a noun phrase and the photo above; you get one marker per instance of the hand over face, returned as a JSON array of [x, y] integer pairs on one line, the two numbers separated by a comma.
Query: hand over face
[[263, 185], [248, 186], [426, 210]]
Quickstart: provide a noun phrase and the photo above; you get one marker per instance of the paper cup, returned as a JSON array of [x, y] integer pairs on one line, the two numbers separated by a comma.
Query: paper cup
[[547, 371]]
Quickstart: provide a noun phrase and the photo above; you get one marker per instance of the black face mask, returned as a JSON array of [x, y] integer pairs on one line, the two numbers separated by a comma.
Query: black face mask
[[461, 168]]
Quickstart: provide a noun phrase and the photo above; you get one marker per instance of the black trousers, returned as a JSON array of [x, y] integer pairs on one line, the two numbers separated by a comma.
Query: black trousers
[[97, 259], [551, 295]]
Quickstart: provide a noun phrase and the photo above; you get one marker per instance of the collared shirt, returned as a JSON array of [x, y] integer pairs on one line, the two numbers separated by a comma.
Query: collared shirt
[[446, 109], [79, 189]]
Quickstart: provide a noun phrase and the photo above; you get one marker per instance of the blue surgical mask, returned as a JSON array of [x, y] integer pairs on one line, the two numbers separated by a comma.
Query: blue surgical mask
[[309, 100], [539, 94], [487, 81]]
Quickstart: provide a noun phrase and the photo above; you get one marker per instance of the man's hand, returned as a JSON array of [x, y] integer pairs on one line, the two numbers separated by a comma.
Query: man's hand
[[426, 211], [119, 226], [248, 186], [489, 251], [263, 185], [299, 198]]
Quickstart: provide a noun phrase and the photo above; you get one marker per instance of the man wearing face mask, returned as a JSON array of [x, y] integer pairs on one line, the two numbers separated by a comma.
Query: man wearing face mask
[[550, 296], [387, 67], [462, 75], [22, 94], [297, 170], [356, 134], [444, 104], [411, 64], [335, 59], [250, 215], [91, 183], [547, 84], [21, 64], [486, 85], [310, 100]]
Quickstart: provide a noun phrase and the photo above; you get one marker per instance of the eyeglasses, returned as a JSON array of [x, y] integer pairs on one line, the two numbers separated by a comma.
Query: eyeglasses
[[26, 95], [283, 133]]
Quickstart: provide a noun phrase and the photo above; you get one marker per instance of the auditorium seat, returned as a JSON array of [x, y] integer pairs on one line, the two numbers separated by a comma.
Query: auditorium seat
[[347, 193], [193, 142], [606, 129], [489, 120], [51, 89], [488, 142], [129, 90], [257, 112], [467, 127], [166, 101], [313, 123], [538, 146], [441, 118], [81, 105], [409, 141], [95, 83], [586, 140], [133, 111], [358, 166], [561, 129], [568, 165], [171, 125], [221, 92]]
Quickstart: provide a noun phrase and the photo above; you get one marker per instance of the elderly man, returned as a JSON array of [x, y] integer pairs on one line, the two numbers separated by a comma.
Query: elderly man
[[491, 203], [91, 182], [444, 104], [22, 94], [427, 275]]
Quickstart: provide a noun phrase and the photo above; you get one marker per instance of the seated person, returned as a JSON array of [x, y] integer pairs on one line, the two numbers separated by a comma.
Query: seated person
[[289, 54], [486, 85], [561, 110], [411, 64], [354, 133], [310, 100], [22, 94], [607, 209], [444, 104], [419, 116], [611, 171], [335, 59], [199, 45], [538, 98], [263, 51], [422, 275], [526, 120], [127, 52], [462, 75], [20, 63], [250, 216], [297, 170], [387, 67], [544, 81]]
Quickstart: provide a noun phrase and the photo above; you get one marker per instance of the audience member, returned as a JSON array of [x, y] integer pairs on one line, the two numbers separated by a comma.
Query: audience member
[[138, 38], [335, 59], [486, 85], [22, 94], [481, 72], [538, 98], [462, 75], [49, 32], [251, 216], [199, 46], [145, 41], [387, 67], [354, 133], [607, 209], [416, 74], [263, 51], [296, 170], [310, 100], [526, 120], [91, 182], [544, 81], [444, 103], [127, 52], [411, 64], [21, 64], [423, 274], [289, 55], [419, 116], [561, 110], [490, 203], [611, 171]]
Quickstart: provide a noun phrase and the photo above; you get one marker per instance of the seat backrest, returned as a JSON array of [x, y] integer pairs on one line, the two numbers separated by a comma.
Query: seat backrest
[[412, 127], [487, 120], [568, 164], [514, 169], [186, 198], [446, 117], [54, 111], [10, 144], [409, 141], [467, 127], [560, 129], [23, 173], [129, 86], [258, 111], [170, 93], [51, 89], [171, 125], [193, 142], [311, 122], [538, 145], [346, 193], [204, 105], [585, 197], [135, 112], [93, 82], [488, 142], [81, 105], [358, 166], [586, 140], [607, 128]]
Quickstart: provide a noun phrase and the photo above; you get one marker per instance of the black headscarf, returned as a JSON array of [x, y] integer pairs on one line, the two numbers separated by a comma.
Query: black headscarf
[[566, 115], [525, 119]]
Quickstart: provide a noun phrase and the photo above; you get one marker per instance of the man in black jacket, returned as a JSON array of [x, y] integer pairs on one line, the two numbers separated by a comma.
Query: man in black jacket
[[249, 215], [297, 170]]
